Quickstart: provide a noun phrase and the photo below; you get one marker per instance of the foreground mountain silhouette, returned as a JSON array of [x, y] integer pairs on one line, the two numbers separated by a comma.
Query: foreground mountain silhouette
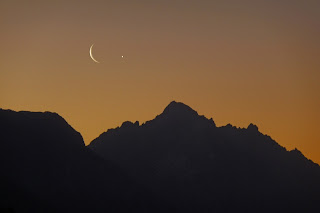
[[45, 167], [199, 167], [177, 162]]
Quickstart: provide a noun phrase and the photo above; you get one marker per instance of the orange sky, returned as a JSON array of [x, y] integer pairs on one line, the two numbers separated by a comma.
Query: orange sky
[[235, 61]]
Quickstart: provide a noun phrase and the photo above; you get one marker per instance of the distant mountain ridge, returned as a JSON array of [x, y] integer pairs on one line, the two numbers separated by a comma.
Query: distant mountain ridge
[[179, 113], [187, 159]]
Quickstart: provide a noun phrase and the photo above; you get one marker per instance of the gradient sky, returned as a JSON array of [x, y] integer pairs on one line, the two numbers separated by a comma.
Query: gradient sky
[[235, 61]]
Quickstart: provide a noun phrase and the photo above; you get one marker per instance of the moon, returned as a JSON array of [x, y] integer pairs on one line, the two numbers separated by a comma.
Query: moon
[[91, 56]]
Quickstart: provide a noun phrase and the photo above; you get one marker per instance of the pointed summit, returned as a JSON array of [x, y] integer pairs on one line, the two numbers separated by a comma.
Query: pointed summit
[[177, 113], [178, 109]]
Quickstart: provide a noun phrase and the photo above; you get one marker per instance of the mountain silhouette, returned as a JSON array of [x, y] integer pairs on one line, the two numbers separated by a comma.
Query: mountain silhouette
[[199, 167], [178, 162], [45, 167]]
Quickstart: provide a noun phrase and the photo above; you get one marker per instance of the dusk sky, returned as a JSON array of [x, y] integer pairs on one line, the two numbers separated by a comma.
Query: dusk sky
[[239, 62]]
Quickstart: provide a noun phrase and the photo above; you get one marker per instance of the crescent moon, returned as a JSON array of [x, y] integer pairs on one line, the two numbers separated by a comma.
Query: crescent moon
[[90, 52]]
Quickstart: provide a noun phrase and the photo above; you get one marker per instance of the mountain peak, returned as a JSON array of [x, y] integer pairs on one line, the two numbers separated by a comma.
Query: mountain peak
[[178, 108], [45, 126], [253, 128], [177, 113]]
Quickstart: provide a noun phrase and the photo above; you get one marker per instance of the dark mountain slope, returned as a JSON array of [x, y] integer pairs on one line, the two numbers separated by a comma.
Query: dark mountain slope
[[187, 160], [45, 167]]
